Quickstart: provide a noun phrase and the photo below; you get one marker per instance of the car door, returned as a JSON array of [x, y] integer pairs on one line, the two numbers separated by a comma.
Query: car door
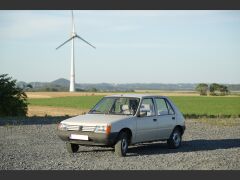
[[165, 117], [147, 126]]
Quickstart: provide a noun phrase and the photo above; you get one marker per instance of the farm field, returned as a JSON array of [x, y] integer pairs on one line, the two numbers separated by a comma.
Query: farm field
[[191, 106], [38, 95]]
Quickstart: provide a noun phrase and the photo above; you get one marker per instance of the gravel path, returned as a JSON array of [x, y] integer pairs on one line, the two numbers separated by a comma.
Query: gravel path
[[37, 146]]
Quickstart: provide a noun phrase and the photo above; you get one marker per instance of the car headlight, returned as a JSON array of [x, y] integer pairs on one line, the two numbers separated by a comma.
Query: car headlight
[[62, 126], [103, 129]]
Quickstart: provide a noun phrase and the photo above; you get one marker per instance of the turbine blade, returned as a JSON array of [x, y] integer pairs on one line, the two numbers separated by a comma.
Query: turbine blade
[[65, 42], [85, 41], [73, 25]]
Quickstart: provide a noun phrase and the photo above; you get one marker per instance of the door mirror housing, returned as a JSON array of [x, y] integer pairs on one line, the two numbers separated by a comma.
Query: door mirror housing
[[142, 114]]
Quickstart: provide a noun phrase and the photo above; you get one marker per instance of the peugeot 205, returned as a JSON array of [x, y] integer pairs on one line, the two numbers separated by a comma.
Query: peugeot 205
[[121, 120]]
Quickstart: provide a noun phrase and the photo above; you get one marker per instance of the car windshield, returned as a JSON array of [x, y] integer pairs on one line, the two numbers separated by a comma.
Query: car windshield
[[116, 105]]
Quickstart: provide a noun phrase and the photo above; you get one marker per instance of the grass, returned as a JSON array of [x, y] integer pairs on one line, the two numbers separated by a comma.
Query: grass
[[190, 106], [81, 102], [195, 107]]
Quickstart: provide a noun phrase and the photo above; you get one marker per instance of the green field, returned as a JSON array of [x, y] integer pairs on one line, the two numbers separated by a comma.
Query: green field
[[208, 106], [190, 106], [82, 102]]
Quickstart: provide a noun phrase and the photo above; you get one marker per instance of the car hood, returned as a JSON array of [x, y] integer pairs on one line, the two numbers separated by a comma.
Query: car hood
[[94, 119]]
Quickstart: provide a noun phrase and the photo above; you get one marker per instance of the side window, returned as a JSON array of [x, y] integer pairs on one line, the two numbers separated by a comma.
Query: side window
[[162, 108], [148, 106], [170, 109]]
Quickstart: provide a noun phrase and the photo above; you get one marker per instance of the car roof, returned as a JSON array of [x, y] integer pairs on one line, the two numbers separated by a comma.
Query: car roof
[[135, 95]]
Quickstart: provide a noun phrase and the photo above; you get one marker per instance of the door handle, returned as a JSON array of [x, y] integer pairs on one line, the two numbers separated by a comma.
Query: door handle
[[154, 120], [173, 118]]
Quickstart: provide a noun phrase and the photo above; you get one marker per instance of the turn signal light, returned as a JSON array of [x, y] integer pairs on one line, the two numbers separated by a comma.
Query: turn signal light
[[108, 129]]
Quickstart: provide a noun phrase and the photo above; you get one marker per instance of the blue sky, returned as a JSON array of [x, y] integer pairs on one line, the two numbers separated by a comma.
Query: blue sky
[[132, 46]]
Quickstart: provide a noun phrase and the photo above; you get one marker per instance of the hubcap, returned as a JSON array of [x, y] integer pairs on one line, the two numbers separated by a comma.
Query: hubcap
[[176, 138]]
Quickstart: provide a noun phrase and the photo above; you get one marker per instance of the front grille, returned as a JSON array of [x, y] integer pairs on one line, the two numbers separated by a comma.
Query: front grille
[[72, 127], [81, 128], [88, 128]]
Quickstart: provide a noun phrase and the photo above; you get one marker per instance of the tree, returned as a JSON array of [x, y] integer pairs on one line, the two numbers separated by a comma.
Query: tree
[[29, 86], [13, 100], [202, 89], [218, 89], [94, 90], [223, 90], [213, 88]]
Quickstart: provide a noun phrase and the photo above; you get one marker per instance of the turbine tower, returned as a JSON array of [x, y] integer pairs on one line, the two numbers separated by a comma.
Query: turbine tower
[[73, 36]]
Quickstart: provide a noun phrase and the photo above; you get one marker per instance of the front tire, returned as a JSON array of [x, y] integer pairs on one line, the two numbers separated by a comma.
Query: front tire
[[121, 146], [175, 139], [72, 148]]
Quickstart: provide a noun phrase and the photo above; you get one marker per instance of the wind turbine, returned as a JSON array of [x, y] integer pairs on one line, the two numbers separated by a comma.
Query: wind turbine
[[73, 36]]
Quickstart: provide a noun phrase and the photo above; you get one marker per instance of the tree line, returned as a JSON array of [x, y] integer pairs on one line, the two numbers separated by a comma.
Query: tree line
[[214, 89]]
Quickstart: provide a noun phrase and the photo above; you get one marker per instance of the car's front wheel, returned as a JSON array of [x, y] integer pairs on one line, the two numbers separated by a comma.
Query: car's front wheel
[[175, 139], [121, 146], [72, 148]]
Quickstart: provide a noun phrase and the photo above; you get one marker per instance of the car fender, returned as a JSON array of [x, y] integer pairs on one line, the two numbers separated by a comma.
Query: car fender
[[127, 123]]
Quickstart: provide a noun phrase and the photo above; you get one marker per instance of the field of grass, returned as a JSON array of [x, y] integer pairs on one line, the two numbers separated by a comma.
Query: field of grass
[[208, 106], [81, 102], [190, 106]]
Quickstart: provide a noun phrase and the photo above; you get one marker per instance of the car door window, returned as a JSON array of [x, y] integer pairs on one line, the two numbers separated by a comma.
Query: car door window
[[148, 106], [162, 108], [170, 109]]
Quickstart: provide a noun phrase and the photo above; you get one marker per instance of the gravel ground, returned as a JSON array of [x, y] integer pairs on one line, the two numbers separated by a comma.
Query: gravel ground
[[37, 147]]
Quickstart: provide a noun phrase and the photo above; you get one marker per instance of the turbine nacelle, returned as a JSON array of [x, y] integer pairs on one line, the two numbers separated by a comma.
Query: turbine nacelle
[[74, 34]]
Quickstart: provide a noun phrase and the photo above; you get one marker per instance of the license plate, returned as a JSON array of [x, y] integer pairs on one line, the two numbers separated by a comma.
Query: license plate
[[79, 137]]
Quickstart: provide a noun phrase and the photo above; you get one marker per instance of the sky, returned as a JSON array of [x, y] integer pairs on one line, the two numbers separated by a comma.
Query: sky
[[131, 46]]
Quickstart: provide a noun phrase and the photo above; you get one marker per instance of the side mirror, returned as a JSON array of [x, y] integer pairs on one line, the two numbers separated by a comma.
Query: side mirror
[[142, 114]]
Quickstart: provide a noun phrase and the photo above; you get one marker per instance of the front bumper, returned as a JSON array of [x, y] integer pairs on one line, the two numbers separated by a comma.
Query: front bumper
[[97, 139]]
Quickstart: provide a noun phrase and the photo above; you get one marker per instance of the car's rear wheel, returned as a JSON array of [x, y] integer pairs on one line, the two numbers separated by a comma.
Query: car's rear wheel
[[121, 146], [72, 148], [175, 139]]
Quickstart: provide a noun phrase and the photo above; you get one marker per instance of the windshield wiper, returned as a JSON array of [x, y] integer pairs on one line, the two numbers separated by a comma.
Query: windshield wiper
[[95, 112]]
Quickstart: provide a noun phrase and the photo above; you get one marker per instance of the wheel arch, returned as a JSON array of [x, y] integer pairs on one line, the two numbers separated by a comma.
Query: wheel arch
[[128, 131], [181, 128]]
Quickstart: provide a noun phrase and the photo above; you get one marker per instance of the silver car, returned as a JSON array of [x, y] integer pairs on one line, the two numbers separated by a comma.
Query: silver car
[[122, 120]]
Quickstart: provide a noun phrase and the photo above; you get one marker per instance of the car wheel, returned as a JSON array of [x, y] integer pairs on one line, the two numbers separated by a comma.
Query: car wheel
[[72, 148], [121, 146], [175, 139]]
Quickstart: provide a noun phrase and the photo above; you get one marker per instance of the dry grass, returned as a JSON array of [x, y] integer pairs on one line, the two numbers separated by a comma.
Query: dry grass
[[169, 93], [62, 94], [33, 95], [54, 111], [67, 94]]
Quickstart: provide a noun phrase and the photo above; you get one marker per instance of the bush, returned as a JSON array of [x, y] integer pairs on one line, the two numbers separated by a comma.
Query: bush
[[218, 89], [13, 100], [202, 89], [93, 90], [80, 90]]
